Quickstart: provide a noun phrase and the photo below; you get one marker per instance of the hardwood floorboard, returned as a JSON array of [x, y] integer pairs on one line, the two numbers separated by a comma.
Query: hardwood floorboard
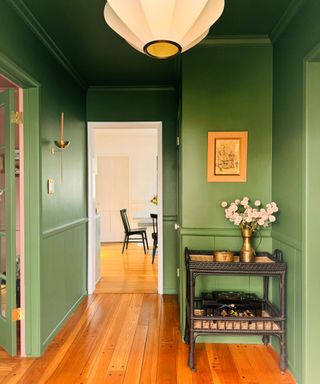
[[135, 339], [244, 366], [203, 375], [80, 350], [133, 371], [130, 272], [96, 368], [121, 353], [151, 354], [184, 373]]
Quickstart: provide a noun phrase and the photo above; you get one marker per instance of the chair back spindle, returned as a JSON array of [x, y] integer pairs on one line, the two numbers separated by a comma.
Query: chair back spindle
[[125, 220]]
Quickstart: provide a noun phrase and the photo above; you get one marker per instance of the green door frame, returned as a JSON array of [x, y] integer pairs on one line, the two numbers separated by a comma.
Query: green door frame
[[32, 197], [8, 326], [311, 182]]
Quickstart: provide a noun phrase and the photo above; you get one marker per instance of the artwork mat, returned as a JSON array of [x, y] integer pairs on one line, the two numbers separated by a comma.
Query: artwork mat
[[218, 139]]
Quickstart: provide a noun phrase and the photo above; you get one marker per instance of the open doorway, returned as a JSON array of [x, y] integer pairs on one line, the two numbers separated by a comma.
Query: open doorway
[[125, 172], [11, 217]]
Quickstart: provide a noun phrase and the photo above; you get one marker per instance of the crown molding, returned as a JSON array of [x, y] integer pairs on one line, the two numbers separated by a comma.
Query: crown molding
[[132, 88], [24, 12], [239, 40], [285, 19], [15, 73]]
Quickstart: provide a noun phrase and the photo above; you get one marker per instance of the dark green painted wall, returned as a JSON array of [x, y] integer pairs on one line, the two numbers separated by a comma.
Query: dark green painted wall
[[293, 158], [224, 88], [63, 218], [120, 104]]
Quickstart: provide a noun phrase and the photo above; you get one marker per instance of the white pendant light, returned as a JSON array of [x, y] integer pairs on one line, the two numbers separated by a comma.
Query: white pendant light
[[162, 28]]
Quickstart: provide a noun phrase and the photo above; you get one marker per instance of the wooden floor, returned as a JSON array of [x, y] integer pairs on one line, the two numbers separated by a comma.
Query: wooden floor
[[130, 272], [135, 338]]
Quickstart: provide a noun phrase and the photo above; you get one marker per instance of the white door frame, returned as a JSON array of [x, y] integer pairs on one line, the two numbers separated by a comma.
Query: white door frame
[[92, 168]]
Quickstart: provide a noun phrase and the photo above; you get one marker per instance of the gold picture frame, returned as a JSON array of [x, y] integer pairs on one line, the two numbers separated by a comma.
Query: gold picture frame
[[227, 156]]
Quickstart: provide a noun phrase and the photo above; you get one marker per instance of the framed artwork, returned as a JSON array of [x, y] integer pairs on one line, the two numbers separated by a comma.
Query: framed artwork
[[227, 156]]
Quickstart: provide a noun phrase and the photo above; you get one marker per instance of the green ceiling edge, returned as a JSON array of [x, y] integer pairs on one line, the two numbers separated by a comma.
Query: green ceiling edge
[[242, 40], [31, 21], [285, 19]]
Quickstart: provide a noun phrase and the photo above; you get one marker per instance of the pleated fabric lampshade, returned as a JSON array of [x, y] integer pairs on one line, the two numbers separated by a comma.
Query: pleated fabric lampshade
[[162, 28]]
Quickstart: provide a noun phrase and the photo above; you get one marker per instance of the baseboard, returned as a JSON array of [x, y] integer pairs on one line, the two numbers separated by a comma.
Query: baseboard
[[170, 291]]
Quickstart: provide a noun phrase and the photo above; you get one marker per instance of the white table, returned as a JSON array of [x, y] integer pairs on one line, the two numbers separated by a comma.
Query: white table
[[143, 218]]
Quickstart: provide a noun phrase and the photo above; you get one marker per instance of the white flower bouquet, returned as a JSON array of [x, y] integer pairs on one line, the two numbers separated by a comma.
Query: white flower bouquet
[[241, 213]]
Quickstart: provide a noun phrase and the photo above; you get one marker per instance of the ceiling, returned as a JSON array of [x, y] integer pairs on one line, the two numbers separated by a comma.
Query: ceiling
[[102, 58]]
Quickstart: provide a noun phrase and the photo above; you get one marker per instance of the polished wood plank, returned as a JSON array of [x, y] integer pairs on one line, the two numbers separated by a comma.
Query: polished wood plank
[[95, 370], [130, 272], [135, 339], [150, 358], [129, 325], [133, 371], [246, 372]]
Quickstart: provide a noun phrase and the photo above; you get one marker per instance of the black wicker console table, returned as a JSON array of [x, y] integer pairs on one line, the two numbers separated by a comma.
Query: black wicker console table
[[272, 319]]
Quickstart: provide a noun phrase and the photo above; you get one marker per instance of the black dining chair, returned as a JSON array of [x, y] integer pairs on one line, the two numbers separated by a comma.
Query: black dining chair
[[128, 232], [154, 235]]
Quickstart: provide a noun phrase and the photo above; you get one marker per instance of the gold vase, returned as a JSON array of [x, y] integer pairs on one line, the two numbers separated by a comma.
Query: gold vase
[[247, 253]]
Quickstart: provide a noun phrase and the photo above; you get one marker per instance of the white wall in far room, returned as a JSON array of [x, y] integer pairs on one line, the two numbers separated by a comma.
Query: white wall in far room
[[140, 147]]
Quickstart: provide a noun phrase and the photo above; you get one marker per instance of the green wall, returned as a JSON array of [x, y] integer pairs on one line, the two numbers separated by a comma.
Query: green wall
[[58, 274], [148, 104], [224, 88], [294, 158]]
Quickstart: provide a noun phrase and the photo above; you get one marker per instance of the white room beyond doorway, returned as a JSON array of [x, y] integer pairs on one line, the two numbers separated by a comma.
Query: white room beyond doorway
[[125, 172]]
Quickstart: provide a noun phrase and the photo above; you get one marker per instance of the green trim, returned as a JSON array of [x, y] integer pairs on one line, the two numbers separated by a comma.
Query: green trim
[[229, 339], [24, 12], [10, 215], [312, 56], [63, 228], [304, 216], [170, 291], [285, 239], [225, 232], [32, 220], [239, 40], [60, 324], [8, 328], [285, 19], [32, 200], [169, 217], [15, 73], [155, 88], [308, 195]]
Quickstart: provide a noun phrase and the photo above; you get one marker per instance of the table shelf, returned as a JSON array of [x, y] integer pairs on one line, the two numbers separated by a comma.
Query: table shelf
[[270, 321]]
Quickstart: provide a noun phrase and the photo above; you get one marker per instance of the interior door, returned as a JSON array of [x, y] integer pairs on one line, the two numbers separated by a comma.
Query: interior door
[[112, 194], [8, 329]]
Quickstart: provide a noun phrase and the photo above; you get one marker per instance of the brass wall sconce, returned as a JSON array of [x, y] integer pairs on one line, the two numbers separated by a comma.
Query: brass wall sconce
[[61, 143], [154, 200]]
